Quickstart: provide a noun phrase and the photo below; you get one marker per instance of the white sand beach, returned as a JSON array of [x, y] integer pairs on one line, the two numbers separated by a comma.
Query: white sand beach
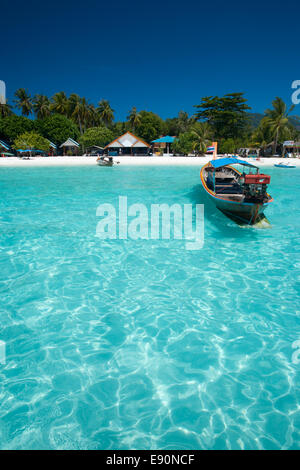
[[129, 160]]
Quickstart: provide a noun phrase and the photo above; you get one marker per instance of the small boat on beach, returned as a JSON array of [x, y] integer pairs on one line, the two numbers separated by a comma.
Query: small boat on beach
[[284, 165], [241, 197], [105, 161]]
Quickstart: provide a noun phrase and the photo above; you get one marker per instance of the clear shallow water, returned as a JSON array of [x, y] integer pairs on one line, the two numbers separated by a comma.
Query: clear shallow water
[[123, 344]]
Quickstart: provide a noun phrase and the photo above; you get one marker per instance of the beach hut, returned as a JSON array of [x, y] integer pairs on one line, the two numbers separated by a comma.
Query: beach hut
[[70, 146], [290, 148], [94, 150], [163, 143], [128, 144], [53, 148]]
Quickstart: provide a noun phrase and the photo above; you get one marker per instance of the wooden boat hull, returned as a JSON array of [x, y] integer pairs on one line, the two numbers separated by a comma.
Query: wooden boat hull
[[248, 213], [241, 212], [104, 164]]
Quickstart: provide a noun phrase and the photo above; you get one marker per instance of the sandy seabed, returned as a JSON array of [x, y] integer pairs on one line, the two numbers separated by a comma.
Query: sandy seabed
[[154, 160]]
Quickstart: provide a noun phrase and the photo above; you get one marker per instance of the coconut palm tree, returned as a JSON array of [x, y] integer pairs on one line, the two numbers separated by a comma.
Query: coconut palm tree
[[23, 101], [93, 119], [202, 134], [277, 120], [79, 111], [74, 110], [59, 103], [41, 106], [106, 113], [184, 122], [85, 113], [262, 136], [134, 118], [5, 110]]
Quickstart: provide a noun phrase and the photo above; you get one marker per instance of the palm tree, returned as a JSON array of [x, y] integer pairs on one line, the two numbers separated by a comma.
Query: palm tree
[[23, 101], [106, 113], [93, 118], [41, 106], [74, 109], [59, 103], [85, 113], [277, 120], [201, 132], [184, 121], [79, 111], [134, 118], [5, 110], [261, 137]]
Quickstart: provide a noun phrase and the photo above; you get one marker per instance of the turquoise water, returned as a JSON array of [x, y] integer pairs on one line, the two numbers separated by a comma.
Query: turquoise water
[[121, 344]]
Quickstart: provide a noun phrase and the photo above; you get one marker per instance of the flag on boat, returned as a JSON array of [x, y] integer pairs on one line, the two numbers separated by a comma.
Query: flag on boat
[[210, 149]]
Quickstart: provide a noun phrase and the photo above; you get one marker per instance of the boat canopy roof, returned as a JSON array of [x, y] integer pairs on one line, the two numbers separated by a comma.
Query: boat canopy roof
[[230, 161]]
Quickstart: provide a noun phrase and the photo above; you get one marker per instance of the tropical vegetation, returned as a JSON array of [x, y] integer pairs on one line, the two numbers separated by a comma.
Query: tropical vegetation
[[31, 141], [226, 119]]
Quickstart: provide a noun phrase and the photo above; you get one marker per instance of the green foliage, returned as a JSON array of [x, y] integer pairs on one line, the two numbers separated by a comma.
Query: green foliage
[[5, 110], [119, 128], [59, 104], [134, 119], [12, 126], [196, 140], [100, 136], [105, 112], [261, 136], [184, 143], [41, 106], [31, 140], [226, 118], [172, 127], [276, 120], [150, 127], [226, 115], [23, 101], [182, 123], [202, 137], [79, 111], [57, 128], [227, 146]]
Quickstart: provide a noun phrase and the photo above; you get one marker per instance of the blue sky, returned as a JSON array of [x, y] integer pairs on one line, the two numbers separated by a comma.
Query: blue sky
[[161, 55]]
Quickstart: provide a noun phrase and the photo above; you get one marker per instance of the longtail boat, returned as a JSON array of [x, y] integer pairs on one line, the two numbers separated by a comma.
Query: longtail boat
[[105, 161], [240, 196], [284, 165]]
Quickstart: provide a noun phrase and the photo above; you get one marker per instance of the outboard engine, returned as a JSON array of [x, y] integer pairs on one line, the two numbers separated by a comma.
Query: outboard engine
[[255, 186]]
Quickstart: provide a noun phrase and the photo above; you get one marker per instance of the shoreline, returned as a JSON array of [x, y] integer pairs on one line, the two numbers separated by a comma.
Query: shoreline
[[134, 161]]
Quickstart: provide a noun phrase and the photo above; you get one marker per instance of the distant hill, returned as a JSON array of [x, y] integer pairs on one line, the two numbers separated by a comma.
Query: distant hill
[[295, 121], [255, 119]]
